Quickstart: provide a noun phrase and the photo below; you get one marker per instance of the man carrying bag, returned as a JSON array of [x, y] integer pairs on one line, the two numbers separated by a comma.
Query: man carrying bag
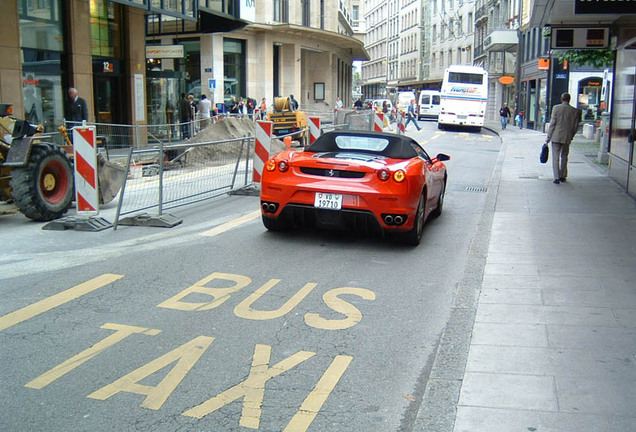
[[563, 126]]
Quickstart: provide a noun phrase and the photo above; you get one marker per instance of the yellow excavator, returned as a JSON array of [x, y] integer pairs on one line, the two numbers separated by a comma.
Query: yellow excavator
[[287, 121], [37, 175]]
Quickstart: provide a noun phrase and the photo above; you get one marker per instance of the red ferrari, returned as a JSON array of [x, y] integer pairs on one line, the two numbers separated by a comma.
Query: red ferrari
[[370, 181]]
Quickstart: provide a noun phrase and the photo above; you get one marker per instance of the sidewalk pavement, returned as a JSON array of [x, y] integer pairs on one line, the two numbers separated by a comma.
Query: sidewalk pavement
[[553, 344]]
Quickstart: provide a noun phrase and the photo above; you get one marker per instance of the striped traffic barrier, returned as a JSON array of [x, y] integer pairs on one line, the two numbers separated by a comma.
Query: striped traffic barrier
[[378, 122], [86, 186], [314, 129], [401, 121], [263, 139]]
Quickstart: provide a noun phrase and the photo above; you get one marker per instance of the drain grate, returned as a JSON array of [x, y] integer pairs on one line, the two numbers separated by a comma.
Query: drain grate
[[529, 177], [476, 189]]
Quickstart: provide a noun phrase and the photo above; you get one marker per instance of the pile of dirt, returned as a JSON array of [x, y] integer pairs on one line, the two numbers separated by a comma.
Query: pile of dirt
[[227, 129]]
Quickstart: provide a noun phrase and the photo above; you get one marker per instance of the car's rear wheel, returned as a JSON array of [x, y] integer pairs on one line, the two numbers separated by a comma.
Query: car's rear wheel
[[414, 236], [277, 224], [440, 201], [440, 126]]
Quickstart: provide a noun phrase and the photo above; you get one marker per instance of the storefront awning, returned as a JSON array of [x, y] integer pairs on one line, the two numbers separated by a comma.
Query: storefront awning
[[218, 22], [356, 46]]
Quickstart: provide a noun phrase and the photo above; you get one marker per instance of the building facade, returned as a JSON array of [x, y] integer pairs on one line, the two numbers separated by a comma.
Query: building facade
[[130, 59], [451, 36], [496, 43]]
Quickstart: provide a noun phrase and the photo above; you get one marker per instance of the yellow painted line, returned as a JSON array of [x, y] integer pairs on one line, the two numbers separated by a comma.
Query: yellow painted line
[[231, 224], [318, 396], [56, 300]]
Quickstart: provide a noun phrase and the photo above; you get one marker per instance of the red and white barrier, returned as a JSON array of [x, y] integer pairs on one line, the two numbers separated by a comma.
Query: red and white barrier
[[314, 129], [86, 182], [379, 122], [263, 137], [401, 122]]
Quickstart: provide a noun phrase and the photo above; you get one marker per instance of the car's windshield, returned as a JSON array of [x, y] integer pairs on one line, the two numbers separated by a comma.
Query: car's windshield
[[361, 143]]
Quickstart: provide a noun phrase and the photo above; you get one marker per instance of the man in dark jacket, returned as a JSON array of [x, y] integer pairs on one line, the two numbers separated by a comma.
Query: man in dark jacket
[[183, 108], [76, 109]]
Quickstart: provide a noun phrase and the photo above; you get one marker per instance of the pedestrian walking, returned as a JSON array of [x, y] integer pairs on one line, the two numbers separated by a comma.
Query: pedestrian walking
[[183, 107], [76, 109], [563, 126], [339, 104], [263, 109], [504, 113], [520, 118], [204, 109], [411, 115]]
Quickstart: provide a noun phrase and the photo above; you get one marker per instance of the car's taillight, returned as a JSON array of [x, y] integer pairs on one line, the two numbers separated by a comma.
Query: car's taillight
[[399, 176], [384, 174], [270, 165], [283, 166]]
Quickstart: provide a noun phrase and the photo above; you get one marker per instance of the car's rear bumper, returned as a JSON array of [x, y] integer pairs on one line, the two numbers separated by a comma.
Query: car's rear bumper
[[361, 206]]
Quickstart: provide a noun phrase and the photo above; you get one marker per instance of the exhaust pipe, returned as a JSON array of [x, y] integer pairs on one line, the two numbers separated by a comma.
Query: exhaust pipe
[[264, 206], [388, 219], [398, 220], [271, 207]]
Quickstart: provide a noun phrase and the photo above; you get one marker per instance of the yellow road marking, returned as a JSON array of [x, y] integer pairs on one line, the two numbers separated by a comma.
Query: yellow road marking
[[231, 224], [122, 331], [317, 397], [186, 356], [252, 390], [244, 309], [56, 300]]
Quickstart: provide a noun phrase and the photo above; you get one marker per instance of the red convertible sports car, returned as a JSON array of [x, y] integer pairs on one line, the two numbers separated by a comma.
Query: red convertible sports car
[[370, 181]]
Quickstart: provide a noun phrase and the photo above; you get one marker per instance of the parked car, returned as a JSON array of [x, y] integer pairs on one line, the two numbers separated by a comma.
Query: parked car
[[355, 180]]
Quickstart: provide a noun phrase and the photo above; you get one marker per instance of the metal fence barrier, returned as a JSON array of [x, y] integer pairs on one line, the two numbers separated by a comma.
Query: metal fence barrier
[[171, 176]]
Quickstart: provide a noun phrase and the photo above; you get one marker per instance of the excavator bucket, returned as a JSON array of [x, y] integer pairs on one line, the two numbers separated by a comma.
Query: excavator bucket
[[111, 179]]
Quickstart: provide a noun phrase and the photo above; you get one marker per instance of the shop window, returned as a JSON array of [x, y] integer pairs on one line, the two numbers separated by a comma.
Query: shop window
[[42, 43], [105, 29], [233, 68]]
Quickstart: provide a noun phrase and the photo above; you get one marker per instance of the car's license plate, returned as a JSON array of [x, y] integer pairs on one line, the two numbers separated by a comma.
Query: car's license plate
[[329, 201]]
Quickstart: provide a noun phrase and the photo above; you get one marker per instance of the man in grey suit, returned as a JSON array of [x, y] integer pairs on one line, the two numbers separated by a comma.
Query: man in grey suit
[[563, 126]]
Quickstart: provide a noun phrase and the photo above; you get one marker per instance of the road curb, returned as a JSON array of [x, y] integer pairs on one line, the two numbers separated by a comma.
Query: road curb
[[438, 409]]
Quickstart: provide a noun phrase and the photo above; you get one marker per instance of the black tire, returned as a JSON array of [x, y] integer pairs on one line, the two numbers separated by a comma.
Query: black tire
[[440, 201], [477, 129], [275, 224], [43, 189], [440, 126], [414, 236]]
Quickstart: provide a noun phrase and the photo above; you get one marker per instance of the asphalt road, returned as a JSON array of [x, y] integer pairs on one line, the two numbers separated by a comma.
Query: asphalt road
[[219, 325]]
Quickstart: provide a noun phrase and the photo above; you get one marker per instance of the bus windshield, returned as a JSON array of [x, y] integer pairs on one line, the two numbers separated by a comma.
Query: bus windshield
[[465, 78]]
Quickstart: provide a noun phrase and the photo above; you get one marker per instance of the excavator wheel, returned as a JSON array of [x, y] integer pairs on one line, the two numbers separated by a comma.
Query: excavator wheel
[[43, 188]]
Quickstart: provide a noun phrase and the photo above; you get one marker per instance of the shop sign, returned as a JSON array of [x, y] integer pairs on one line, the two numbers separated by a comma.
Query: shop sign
[[579, 38], [248, 10], [211, 84], [604, 7], [506, 79], [164, 51], [561, 76], [543, 64]]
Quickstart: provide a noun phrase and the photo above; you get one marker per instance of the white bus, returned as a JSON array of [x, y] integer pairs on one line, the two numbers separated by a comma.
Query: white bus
[[464, 95]]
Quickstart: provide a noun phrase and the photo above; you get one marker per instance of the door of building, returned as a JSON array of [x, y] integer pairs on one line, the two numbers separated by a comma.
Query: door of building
[[108, 92]]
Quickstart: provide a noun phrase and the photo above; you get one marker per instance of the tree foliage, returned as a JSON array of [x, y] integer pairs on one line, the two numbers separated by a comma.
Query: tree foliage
[[598, 58]]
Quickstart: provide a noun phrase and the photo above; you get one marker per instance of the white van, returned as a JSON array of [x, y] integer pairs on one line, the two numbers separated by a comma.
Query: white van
[[429, 104], [404, 98]]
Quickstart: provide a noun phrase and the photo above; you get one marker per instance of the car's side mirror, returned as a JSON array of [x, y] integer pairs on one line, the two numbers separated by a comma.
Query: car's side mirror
[[441, 157]]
